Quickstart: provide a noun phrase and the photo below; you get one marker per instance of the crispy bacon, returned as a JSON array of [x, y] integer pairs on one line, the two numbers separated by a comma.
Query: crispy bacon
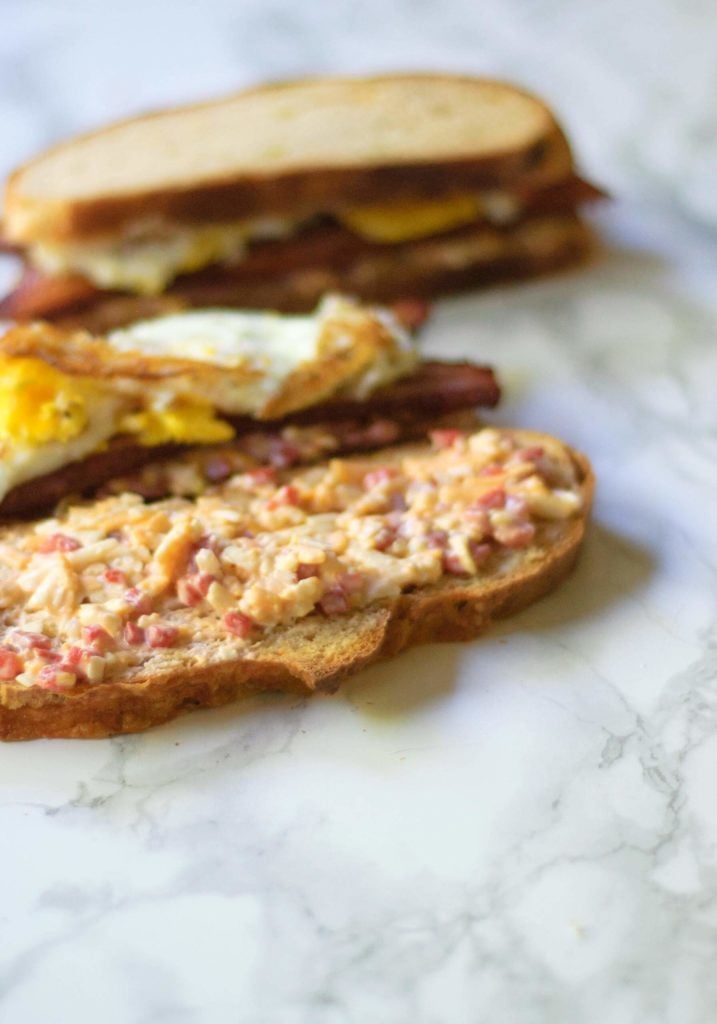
[[411, 313], [434, 389], [39, 296], [563, 196], [78, 478]]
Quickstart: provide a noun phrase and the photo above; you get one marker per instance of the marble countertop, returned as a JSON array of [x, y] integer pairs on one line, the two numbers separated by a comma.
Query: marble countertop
[[520, 830]]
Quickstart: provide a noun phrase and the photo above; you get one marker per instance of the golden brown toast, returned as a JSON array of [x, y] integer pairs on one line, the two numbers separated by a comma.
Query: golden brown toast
[[289, 148]]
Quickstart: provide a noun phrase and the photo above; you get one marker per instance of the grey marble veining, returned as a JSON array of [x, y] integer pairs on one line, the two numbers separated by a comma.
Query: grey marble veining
[[522, 830]]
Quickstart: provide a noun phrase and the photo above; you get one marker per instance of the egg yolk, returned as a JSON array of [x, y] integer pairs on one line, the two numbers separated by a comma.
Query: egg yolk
[[183, 423], [39, 403], [411, 218]]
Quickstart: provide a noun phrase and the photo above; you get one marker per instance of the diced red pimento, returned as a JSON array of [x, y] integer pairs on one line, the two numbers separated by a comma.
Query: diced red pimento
[[27, 641], [351, 582], [72, 658], [71, 662], [238, 623], [133, 634], [140, 601], [47, 676], [531, 454], [161, 635], [494, 498], [187, 592], [492, 469], [446, 438], [453, 565], [114, 576], [437, 539], [288, 495], [204, 581], [336, 599], [58, 542], [377, 477], [515, 535], [334, 602], [10, 664], [49, 656], [211, 541], [192, 589], [480, 551], [385, 537], [97, 639], [262, 475]]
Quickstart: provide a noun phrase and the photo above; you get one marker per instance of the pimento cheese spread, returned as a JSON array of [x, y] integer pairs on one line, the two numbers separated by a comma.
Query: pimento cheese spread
[[100, 590]]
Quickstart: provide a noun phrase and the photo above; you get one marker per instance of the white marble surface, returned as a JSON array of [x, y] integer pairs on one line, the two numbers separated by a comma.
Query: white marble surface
[[523, 830]]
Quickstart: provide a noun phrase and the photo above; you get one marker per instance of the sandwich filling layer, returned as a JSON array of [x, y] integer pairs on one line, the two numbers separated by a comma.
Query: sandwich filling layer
[[93, 596], [375, 252], [177, 379], [147, 256]]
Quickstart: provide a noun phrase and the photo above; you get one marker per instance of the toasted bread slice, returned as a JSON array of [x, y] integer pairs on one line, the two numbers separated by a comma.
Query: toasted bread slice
[[313, 653], [291, 148]]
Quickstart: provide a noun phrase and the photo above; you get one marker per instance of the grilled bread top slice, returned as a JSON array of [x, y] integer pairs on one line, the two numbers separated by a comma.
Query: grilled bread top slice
[[291, 148]]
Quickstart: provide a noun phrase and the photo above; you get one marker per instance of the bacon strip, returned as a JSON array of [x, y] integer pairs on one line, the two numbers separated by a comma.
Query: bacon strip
[[563, 196], [39, 296], [436, 388], [398, 411]]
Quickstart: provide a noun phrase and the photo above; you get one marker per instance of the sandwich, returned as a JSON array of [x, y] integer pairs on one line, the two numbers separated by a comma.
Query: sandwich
[[229, 390], [393, 187], [120, 614]]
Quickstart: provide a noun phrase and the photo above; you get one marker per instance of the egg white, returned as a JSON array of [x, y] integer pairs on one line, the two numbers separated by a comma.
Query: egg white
[[262, 350], [20, 461]]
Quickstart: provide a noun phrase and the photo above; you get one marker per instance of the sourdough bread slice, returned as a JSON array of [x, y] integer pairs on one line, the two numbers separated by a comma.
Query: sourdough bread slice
[[314, 653], [293, 148]]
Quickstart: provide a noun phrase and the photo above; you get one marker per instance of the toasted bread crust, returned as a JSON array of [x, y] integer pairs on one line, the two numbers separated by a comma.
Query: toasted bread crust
[[542, 158], [311, 656]]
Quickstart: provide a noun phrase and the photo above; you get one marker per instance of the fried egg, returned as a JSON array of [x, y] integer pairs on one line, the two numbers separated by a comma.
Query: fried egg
[[156, 253], [48, 419], [267, 365]]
